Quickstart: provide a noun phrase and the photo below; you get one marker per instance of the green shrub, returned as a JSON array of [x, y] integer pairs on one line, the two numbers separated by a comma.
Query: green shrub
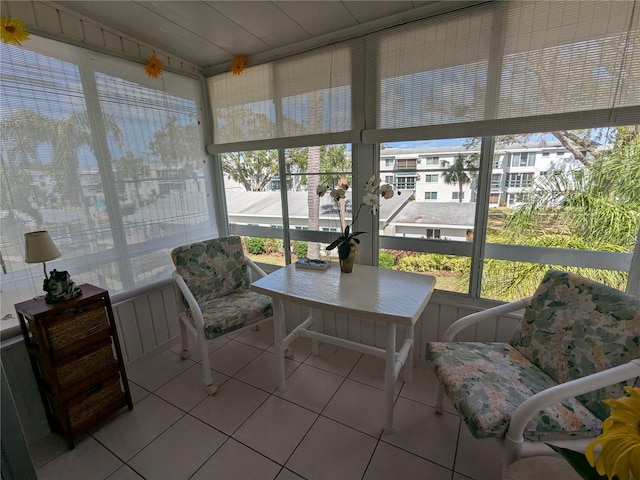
[[386, 260], [416, 263], [254, 245], [300, 248], [272, 245]]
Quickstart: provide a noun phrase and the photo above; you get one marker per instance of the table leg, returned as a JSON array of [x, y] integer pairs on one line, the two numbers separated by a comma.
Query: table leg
[[408, 364], [278, 336], [389, 376], [315, 315]]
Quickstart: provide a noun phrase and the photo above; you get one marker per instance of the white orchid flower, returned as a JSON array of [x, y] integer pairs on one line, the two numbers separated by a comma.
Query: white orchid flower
[[372, 184], [370, 199], [386, 191]]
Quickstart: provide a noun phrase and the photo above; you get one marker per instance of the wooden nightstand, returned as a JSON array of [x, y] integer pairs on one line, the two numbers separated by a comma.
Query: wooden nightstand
[[77, 361]]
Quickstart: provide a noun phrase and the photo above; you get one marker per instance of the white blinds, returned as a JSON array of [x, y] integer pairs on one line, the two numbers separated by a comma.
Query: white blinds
[[496, 68], [109, 161], [431, 72], [295, 98], [507, 67]]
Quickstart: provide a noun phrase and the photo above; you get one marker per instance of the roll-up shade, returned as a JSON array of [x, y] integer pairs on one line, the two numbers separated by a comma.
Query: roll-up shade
[[524, 66], [497, 68], [301, 96]]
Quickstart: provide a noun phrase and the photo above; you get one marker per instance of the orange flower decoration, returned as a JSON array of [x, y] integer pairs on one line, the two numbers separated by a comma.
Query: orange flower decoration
[[13, 31], [239, 64], [153, 68]]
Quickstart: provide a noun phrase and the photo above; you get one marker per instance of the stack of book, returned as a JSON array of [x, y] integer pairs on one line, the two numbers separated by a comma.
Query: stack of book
[[312, 264]]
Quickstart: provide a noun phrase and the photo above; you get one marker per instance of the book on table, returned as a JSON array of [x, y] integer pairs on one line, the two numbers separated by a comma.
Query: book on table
[[312, 264]]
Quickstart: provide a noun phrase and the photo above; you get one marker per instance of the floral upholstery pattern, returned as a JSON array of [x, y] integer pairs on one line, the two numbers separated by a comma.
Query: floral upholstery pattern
[[487, 382], [573, 327], [217, 276]]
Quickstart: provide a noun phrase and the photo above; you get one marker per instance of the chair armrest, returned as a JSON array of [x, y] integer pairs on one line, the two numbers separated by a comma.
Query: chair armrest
[[487, 314], [196, 313], [570, 389], [255, 268]]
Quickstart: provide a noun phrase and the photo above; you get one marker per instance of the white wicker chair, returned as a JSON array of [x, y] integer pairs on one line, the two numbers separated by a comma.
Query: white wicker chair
[[213, 277]]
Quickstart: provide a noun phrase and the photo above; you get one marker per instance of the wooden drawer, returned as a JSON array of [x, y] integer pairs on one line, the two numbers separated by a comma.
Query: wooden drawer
[[90, 406], [85, 364], [75, 324]]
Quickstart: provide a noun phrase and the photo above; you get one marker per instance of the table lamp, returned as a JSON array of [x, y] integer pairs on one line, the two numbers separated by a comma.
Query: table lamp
[[38, 247]]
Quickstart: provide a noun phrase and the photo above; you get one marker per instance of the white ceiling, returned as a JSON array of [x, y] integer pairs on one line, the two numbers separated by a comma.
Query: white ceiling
[[210, 33]]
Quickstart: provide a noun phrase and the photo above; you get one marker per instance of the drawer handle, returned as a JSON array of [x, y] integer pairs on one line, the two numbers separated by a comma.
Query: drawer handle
[[94, 389]]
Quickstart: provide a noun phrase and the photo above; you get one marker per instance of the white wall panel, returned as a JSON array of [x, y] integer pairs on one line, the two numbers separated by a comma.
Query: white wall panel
[[46, 17], [158, 317], [55, 21], [22, 10], [93, 34], [149, 321], [71, 26], [128, 331]]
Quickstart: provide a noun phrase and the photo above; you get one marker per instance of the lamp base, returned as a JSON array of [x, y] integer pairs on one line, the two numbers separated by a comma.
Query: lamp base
[[60, 287]]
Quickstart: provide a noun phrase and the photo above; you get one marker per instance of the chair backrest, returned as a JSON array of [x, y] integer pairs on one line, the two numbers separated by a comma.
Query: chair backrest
[[212, 268], [575, 327]]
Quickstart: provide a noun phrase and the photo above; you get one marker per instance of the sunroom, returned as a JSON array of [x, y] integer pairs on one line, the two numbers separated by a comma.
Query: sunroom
[[131, 128]]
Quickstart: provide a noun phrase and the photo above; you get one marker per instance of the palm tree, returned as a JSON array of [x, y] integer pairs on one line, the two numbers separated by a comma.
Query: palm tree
[[134, 168], [67, 136], [594, 208], [20, 137], [457, 171]]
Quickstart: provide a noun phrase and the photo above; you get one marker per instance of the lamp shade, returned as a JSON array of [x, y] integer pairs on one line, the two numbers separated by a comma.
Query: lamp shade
[[38, 247]]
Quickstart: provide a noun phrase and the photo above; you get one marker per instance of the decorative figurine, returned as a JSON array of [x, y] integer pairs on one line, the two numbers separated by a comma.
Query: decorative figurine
[[60, 287]]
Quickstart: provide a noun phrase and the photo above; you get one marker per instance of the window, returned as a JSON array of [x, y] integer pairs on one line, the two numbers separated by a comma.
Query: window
[[408, 164], [431, 160], [389, 162], [519, 180], [252, 200], [388, 179], [572, 233], [433, 233], [523, 159], [430, 195], [496, 181], [431, 178], [457, 196], [406, 183], [117, 175], [516, 198]]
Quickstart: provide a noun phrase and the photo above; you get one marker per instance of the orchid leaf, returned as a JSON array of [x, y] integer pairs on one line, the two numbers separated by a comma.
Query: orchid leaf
[[336, 242], [344, 250], [579, 463]]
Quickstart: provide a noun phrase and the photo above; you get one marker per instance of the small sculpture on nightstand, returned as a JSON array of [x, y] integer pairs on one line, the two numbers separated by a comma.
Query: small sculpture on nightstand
[[60, 287]]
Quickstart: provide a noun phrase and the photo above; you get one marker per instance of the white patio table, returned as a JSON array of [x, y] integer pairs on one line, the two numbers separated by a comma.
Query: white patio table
[[390, 296]]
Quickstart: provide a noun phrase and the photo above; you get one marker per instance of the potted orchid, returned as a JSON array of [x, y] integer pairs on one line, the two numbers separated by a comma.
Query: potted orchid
[[347, 243]]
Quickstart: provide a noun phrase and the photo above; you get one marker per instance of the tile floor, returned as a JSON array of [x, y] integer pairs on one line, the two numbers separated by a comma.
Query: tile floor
[[327, 425]]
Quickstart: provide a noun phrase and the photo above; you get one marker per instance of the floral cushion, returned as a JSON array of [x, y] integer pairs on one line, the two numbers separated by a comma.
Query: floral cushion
[[225, 314], [487, 382], [575, 327], [217, 276], [212, 268]]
